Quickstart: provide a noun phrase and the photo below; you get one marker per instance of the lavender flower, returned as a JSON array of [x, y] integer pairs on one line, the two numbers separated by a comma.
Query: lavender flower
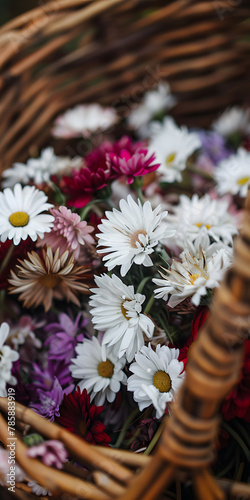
[[214, 146], [52, 453], [49, 401], [63, 340], [43, 376]]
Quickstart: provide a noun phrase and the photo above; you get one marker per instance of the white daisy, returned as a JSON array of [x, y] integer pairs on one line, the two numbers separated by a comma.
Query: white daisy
[[157, 376], [21, 214], [202, 215], [7, 357], [99, 371], [41, 169], [233, 120], [131, 234], [153, 102], [192, 277], [83, 120], [173, 146], [232, 175], [117, 310]]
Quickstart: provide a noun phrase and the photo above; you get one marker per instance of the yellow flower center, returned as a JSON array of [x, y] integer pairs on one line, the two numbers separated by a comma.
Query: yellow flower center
[[170, 158], [199, 224], [162, 381], [124, 311], [135, 237], [50, 280], [193, 278], [106, 369], [19, 219], [243, 181]]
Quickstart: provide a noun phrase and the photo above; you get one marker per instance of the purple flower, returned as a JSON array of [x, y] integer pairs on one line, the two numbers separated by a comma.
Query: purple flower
[[63, 340], [214, 146], [43, 377], [52, 453], [49, 401]]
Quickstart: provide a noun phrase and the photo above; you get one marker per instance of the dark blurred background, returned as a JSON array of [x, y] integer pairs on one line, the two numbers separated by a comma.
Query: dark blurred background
[[12, 8]]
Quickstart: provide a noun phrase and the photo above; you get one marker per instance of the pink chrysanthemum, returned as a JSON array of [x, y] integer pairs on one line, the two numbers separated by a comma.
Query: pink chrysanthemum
[[68, 232], [130, 159]]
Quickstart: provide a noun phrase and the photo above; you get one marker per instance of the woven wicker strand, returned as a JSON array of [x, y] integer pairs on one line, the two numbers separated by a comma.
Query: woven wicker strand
[[67, 52]]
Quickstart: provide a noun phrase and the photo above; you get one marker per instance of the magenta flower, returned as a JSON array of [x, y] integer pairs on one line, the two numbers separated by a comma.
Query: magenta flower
[[52, 453], [130, 159], [68, 232]]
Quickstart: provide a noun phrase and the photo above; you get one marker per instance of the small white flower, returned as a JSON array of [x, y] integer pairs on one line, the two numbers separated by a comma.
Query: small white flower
[[21, 214], [22, 334], [157, 376], [41, 169], [233, 120], [173, 146], [232, 175], [83, 120], [117, 310], [202, 215], [7, 357], [99, 371], [153, 102], [192, 277], [131, 234], [38, 490]]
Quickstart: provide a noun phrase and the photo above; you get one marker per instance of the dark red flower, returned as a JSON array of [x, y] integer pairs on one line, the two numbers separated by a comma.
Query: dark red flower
[[94, 175], [130, 159], [143, 433], [199, 319], [237, 403], [78, 416]]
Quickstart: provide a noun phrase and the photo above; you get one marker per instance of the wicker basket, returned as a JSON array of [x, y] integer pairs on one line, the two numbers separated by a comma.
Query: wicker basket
[[112, 51]]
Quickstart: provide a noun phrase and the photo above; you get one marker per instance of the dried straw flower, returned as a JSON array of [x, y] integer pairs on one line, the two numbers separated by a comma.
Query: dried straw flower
[[40, 279]]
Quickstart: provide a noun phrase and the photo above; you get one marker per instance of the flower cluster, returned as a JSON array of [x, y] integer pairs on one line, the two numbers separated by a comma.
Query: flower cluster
[[109, 261]]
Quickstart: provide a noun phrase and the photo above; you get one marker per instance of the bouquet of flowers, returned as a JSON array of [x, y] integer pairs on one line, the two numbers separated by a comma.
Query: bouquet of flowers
[[109, 260]]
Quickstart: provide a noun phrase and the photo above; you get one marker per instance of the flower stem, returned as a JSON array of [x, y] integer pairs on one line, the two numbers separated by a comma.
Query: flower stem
[[127, 423], [142, 284], [7, 258], [88, 207], [237, 438], [154, 440], [140, 195], [149, 304], [202, 173]]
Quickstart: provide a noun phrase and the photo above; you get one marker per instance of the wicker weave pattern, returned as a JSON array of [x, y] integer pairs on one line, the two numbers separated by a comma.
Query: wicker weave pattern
[[112, 51]]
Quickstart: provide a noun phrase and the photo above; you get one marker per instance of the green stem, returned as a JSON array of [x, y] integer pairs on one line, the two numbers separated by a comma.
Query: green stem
[[201, 173], [237, 438], [142, 284], [149, 304], [129, 420], [154, 441], [140, 195], [243, 431], [7, 258], [227, 468], [88, 207], [165, 328]]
